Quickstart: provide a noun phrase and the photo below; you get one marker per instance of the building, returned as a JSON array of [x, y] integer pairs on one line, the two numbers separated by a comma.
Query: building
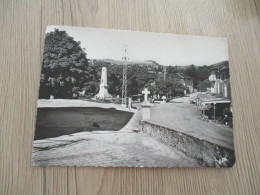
[[219, 78], [185, 80]]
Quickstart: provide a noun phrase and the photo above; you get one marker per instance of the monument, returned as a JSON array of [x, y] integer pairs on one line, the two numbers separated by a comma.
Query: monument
[[103, 92], [146, 93], [164, 99]]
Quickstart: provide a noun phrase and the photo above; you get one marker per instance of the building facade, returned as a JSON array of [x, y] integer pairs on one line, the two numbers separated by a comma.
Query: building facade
[[219, 78]]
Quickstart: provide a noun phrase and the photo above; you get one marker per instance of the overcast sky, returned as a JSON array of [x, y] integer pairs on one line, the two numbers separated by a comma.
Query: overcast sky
[[164, 48]]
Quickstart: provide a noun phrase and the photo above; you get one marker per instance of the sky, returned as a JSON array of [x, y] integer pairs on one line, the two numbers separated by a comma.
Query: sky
[[164, 48]]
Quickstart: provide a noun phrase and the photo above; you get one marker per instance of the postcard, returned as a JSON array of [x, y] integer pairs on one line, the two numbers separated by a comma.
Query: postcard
[[120, 98]]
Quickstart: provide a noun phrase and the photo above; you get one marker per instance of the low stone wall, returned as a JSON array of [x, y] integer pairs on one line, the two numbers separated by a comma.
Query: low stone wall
[[207, 153]]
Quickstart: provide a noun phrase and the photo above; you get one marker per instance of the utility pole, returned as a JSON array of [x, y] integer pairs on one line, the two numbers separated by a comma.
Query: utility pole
[[124, 86]]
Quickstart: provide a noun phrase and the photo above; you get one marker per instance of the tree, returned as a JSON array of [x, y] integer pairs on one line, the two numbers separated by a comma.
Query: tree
[[138, 78], [64, 66], [191, 71], [203, 73], [170, 69], [168, 87], [203, 85]]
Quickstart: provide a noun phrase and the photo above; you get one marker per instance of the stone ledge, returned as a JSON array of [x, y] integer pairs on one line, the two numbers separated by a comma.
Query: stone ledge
[[209, 154]]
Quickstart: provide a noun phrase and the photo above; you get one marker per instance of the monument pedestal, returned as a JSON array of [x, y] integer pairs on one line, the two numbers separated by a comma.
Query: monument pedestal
[[146, 106], [146, 111]]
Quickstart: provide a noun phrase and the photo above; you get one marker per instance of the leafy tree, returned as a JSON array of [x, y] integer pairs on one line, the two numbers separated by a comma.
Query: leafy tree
[[64, 66], [200, 74], [168, 87], [160, 68], [191, 71], [138, 78], [170, 69], [203, 85], [115, 79], [203, 73]]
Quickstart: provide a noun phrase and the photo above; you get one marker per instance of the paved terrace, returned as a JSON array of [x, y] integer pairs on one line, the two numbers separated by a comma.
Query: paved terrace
[[182, 116], [106, 148], [126, 147]]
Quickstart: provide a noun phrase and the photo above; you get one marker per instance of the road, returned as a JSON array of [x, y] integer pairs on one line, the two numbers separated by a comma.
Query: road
[[182, 116]]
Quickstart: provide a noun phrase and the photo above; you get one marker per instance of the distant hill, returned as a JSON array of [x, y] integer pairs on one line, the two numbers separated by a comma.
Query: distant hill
[[148, 63], [154, 64], [220, 65]]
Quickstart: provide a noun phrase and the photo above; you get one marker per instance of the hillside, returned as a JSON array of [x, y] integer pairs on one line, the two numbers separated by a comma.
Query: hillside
[[121, 62]]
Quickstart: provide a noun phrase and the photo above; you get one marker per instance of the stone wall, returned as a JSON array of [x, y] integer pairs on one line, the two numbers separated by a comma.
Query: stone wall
[[207, 153]]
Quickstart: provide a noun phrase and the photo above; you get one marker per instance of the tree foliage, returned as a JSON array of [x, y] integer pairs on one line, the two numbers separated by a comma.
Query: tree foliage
[[64, 66], [203, 85], [168, 87], [191, 71], [198, 74]]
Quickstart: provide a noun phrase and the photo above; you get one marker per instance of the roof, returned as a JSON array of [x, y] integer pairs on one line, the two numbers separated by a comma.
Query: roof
[[221, 101], [213, 98]]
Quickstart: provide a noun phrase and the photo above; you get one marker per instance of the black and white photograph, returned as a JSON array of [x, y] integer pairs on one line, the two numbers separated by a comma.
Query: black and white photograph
[[121, 98]]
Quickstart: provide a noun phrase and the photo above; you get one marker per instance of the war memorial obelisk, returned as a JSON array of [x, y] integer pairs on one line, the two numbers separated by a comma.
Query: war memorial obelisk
[[103, 92]]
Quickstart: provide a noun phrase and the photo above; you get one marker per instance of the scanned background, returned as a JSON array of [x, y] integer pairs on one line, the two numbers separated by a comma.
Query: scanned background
[[22, 27]]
